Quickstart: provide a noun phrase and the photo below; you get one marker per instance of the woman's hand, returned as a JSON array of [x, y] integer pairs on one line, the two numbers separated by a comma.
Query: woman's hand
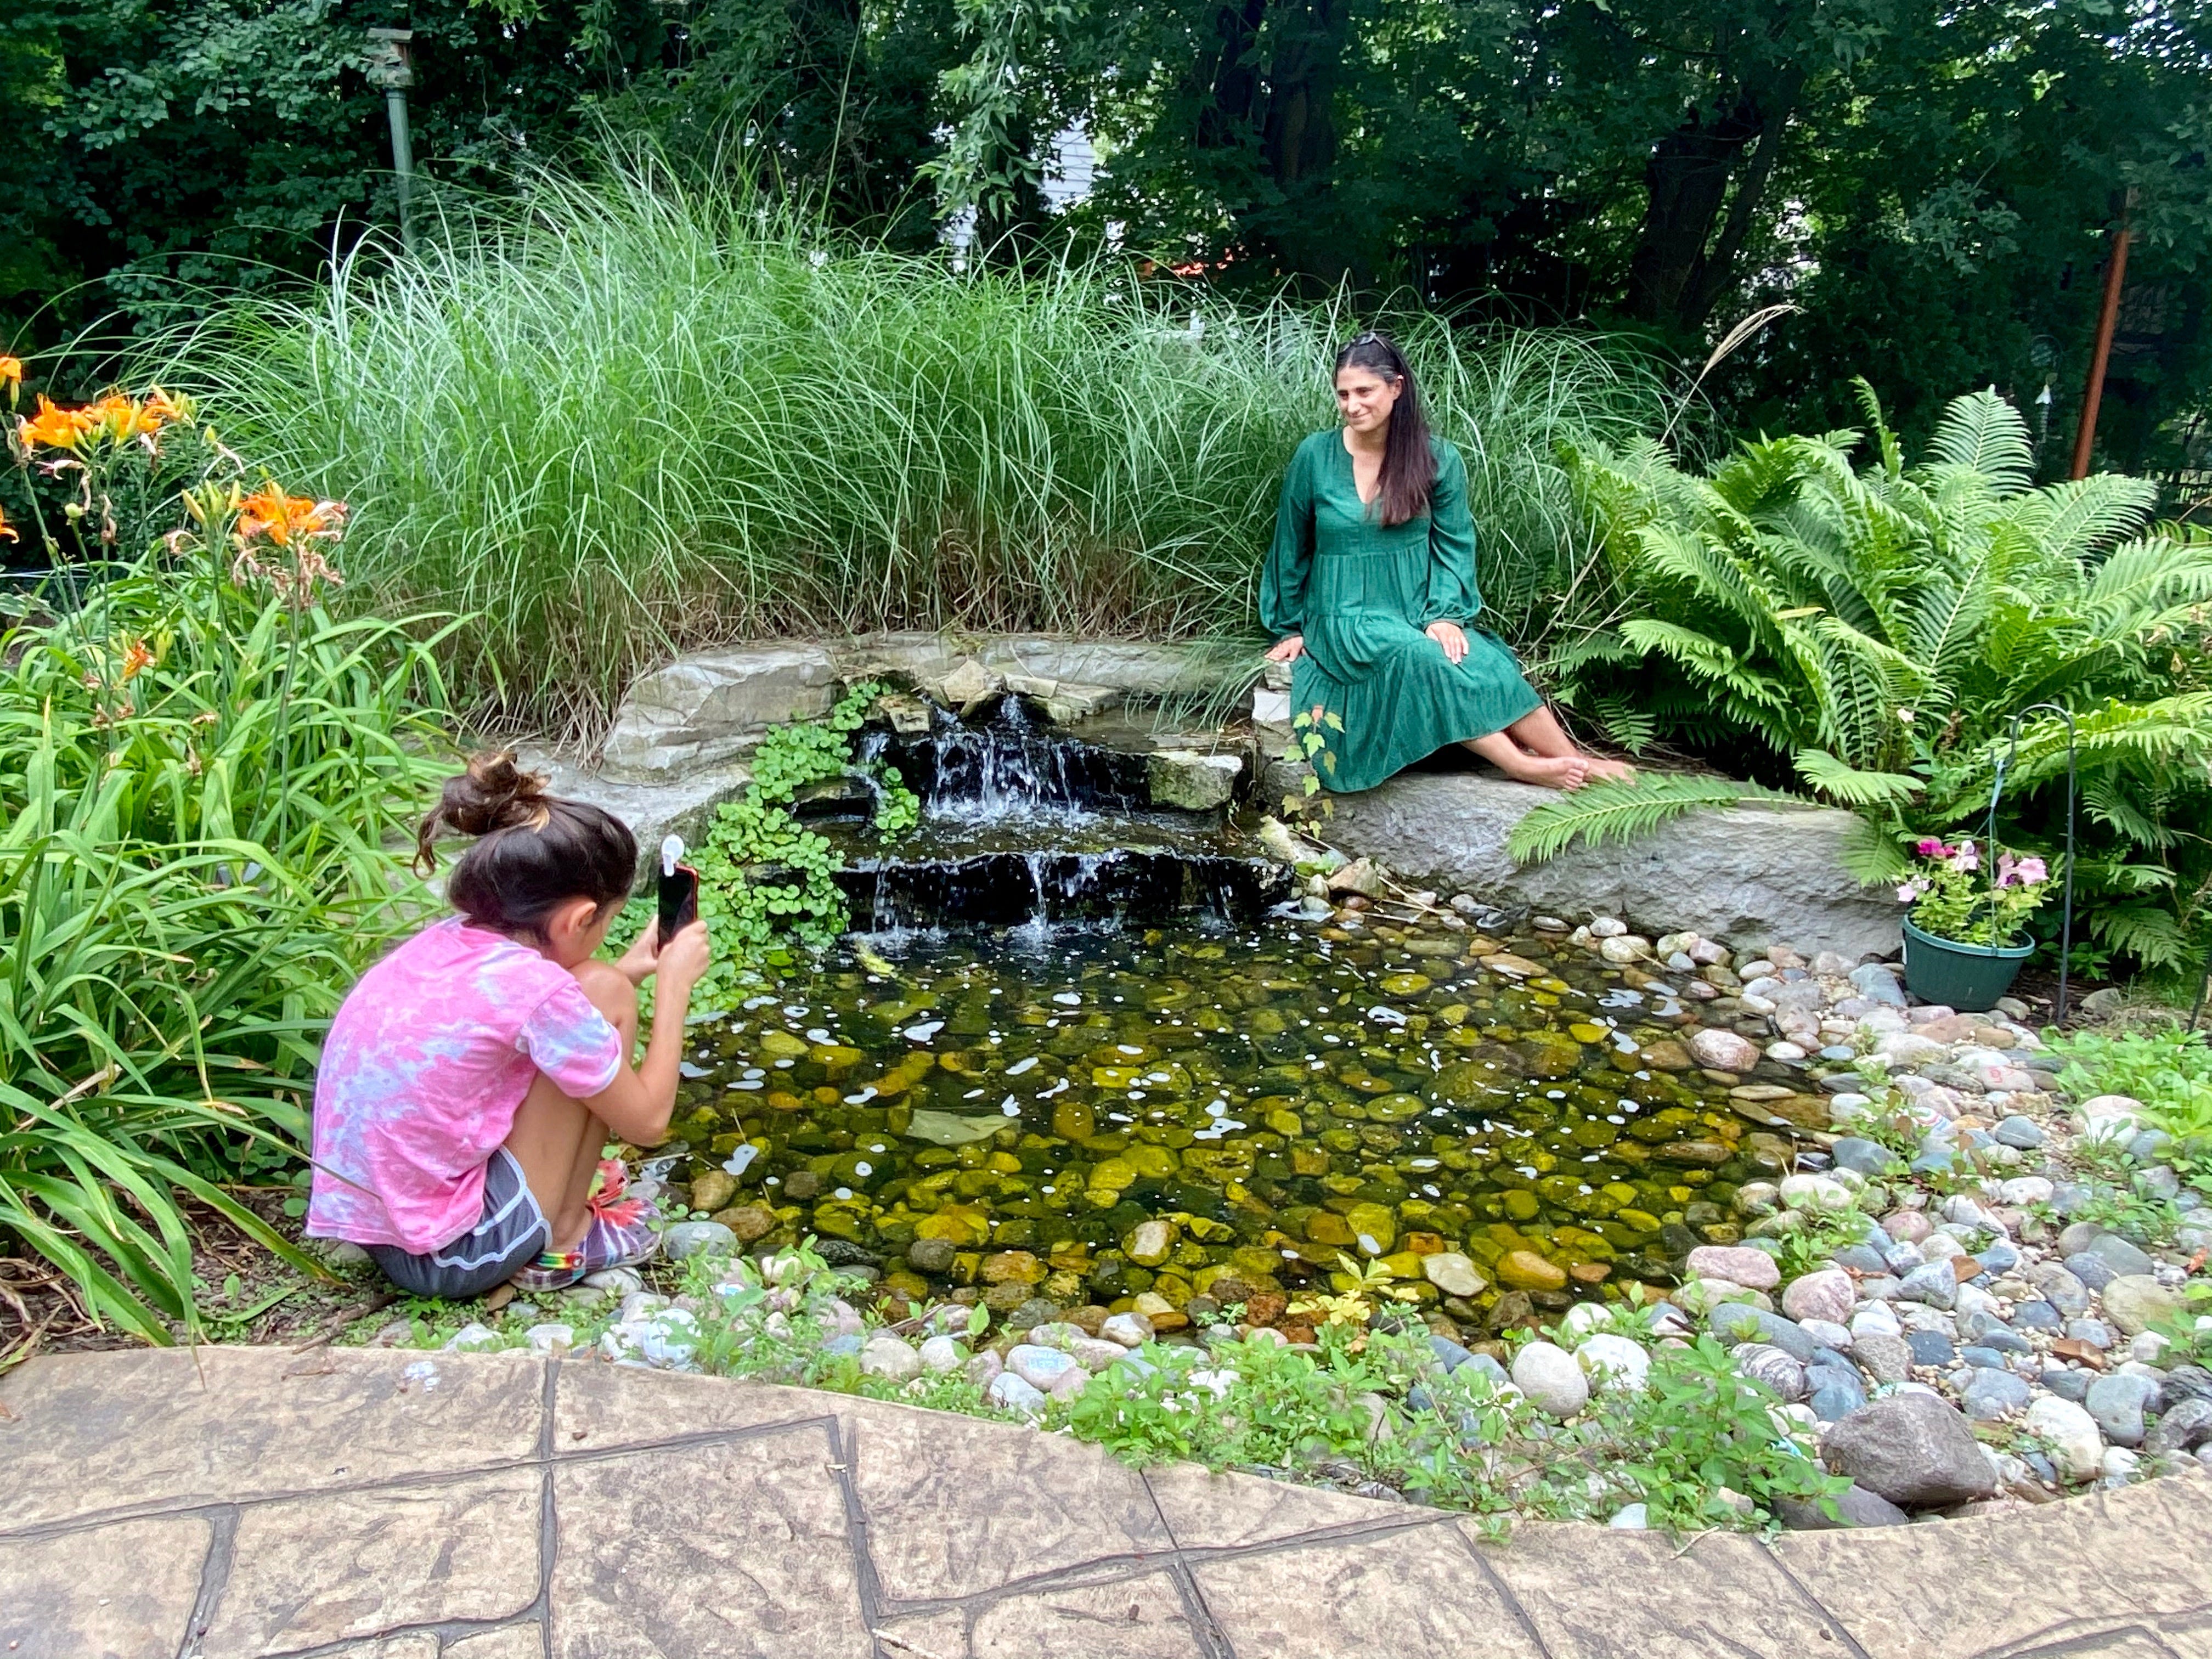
[[1290, 648], [1449, 635]]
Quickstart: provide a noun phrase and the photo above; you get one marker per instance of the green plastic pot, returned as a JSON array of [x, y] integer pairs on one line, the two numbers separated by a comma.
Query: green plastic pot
[[1967, 978]]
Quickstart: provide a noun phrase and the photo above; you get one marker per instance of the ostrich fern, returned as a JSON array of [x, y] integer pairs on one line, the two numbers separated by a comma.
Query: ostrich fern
[[1878, 626]]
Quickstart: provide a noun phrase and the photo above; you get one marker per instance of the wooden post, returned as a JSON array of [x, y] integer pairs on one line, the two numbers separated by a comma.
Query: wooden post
[[2116, 272]]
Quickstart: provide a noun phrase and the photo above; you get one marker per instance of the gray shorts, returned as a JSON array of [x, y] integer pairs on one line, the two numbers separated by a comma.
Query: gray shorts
[[507, 1240]]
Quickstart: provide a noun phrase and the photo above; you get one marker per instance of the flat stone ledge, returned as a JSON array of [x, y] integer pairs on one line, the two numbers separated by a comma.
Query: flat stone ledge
[[709, 708], [1749, 874], [254, 1502], [681, 804]]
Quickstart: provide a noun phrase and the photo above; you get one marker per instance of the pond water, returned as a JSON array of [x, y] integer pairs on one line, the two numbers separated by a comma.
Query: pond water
[[1081, 1055], [1082, 1115]]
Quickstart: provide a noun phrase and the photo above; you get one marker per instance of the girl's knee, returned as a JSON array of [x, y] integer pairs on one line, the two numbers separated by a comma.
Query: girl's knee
[[610, 992]]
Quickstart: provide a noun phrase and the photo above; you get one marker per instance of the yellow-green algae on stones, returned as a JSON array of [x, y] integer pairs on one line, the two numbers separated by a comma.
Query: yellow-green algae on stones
[[1494, 1125]]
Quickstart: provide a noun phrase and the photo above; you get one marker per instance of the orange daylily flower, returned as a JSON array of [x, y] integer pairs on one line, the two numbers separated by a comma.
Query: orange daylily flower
[[54, 427], [123, 420], [270, 512], [11, 370], [137, 657], [8, 530]]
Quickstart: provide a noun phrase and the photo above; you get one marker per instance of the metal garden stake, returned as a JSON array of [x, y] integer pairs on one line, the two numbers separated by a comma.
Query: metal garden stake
[[1997, 791]]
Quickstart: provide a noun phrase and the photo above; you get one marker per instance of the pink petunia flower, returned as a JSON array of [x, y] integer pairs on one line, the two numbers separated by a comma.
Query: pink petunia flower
[[1930, 847], [1967, 857]]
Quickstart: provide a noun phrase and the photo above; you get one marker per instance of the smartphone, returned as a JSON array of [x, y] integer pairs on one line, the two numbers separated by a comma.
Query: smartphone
[[679, 890]]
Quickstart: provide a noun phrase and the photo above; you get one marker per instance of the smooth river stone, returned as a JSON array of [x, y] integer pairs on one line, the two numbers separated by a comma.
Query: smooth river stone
[[2134, 1302], [1724, 1051], [1452, 1274], [1912, 1449], [1524, 1270], [1738, 1264], [1827, 1295], [1553, 1382]]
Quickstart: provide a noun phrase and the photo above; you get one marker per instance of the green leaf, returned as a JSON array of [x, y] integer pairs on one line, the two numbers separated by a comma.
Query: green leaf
[[1617, 810], [1852, 787]]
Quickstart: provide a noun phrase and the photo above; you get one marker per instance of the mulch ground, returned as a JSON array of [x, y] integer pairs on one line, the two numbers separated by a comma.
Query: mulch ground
[[245, 1293]]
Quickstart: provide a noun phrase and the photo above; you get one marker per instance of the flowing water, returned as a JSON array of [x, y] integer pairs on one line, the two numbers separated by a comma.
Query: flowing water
[[1197, 1098]]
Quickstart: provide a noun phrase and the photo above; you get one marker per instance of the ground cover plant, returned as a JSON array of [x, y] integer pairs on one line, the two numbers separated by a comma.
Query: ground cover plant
[[737, 423], [1373, 1403], [200, 769], [2168, 1069]]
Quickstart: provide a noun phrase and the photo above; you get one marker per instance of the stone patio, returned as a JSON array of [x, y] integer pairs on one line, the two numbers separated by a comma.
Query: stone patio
[[400, 1505]]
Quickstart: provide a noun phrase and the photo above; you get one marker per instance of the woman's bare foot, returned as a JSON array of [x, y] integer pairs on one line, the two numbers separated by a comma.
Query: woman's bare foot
[[1609, 769], [1551, 771]]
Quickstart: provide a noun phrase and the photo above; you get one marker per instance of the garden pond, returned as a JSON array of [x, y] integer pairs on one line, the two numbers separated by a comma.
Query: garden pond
[[1216, 1111]]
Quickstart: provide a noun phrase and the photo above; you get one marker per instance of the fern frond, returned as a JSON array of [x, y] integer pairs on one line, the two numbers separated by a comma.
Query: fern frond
[[1982, 432], [1617, 810], [1852, 787], [2153, 937], [1630, 722], [1873, 856], [2072, 519]]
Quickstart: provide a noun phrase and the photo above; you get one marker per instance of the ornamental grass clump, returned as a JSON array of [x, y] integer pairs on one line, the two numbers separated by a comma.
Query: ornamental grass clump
[[616, 419], [1951, 899], [200, 770]]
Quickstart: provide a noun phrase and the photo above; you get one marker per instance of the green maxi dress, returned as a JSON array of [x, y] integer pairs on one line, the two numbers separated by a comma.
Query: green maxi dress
[[1361, 595]]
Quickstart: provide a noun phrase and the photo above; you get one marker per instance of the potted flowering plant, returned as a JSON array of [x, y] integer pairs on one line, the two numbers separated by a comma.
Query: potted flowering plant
[[1963, 945]]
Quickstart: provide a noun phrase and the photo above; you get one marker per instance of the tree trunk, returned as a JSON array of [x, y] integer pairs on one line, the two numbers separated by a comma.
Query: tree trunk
[[1299, 140], [1231, 77], [1299, 137], [1679, 272]]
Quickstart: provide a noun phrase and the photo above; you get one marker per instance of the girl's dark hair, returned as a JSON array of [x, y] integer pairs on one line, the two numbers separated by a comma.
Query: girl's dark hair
[[536, 853], [1409, 465]]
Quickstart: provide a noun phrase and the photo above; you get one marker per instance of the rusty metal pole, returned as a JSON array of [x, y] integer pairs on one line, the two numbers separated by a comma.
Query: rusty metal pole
[[2116, 272]]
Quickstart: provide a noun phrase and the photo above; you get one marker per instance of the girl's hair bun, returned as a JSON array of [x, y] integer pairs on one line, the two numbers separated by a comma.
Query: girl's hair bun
[[494, 793], [534, 852]]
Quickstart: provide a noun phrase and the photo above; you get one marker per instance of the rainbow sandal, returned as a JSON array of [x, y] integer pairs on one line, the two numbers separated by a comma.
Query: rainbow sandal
[[620, 1232], [554, 1270]]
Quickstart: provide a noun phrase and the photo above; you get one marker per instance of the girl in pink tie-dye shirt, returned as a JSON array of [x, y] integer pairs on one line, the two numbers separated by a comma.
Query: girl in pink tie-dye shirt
[[472, 1076]]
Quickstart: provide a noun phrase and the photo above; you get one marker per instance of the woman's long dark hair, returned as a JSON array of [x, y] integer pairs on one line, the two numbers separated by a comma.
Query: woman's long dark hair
[[536, 851], [1409, 465]]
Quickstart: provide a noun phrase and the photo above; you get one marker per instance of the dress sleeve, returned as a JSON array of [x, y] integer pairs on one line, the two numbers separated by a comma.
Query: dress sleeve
[[1453, 596], [1290, 559]]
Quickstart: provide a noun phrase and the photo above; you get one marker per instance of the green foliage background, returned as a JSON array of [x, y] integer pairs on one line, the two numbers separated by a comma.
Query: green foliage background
[[1934, 186]]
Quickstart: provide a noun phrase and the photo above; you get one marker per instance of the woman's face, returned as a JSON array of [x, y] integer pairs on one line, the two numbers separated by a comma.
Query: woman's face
[[1365, 399]]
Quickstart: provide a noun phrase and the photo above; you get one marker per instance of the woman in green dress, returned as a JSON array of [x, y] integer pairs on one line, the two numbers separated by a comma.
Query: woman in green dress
[[1370, 589]]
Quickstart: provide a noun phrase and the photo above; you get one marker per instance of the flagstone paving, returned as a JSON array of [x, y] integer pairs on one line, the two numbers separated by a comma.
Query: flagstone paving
[[380, 1504]]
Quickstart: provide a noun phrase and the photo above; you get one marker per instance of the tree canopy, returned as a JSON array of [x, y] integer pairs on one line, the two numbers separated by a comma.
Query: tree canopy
[[1936, 188]]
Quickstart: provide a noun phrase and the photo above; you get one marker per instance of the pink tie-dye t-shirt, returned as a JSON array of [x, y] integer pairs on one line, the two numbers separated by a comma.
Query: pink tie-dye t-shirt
[[424, 1068]]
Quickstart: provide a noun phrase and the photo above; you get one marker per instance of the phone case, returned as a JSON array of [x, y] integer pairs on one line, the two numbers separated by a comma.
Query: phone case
[[679, 899]]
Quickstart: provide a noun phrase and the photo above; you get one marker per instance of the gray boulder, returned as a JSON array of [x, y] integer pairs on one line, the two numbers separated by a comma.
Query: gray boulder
[[709, 708], [1913, 1450], [1747, 873], [1192, 780], [683, 806]]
